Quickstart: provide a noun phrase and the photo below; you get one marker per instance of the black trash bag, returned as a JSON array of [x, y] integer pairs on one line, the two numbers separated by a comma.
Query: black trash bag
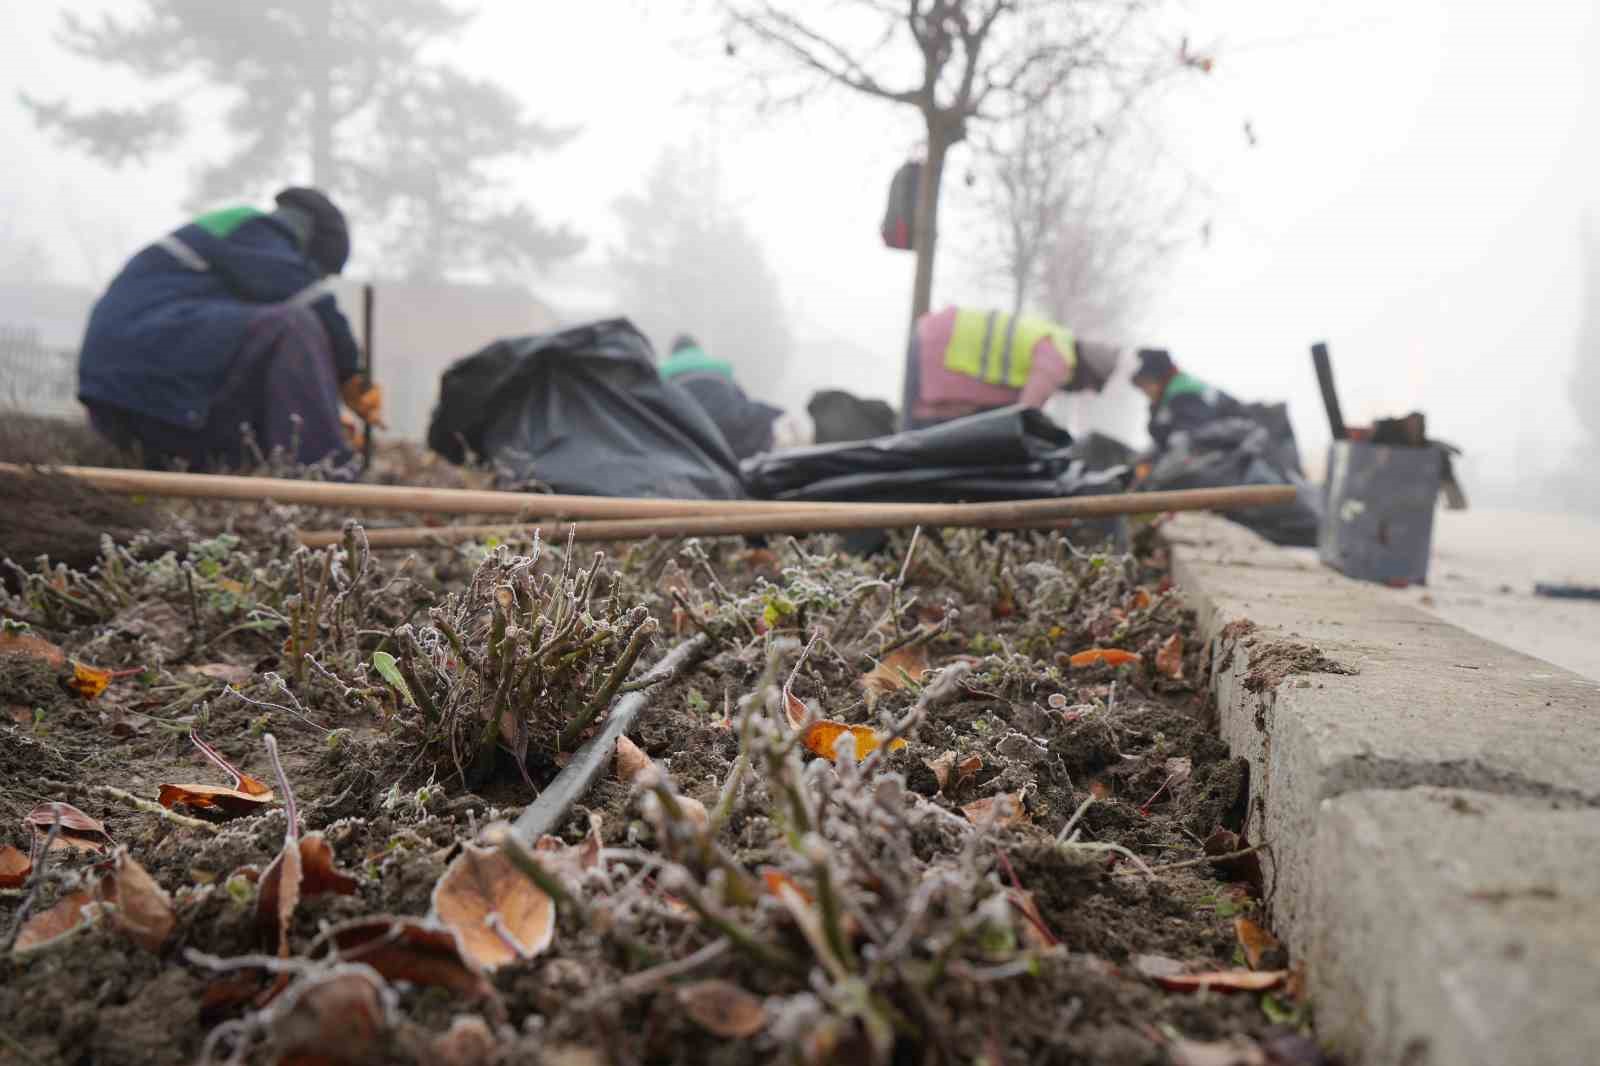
[[900, 217], [1244, 450], [839, 416], [583, 410], [1005, 454]]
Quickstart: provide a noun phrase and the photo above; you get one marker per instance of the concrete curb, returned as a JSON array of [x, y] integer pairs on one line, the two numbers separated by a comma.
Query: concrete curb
[[1363, 722]]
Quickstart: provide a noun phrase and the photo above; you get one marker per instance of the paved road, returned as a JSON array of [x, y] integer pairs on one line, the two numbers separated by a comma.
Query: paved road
[[1485, 564]]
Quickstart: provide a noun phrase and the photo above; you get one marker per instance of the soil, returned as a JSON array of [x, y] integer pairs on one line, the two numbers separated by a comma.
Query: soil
[[206, 634]]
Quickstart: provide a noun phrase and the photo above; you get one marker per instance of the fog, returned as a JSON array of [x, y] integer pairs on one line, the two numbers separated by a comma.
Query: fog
[[1405, 181]]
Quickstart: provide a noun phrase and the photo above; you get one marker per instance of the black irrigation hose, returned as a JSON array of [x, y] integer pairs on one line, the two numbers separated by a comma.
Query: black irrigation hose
[[545, 813]]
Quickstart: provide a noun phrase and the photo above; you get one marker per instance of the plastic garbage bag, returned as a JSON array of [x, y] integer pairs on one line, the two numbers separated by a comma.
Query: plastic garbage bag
[[1258, 449], [582, 410], [1008, 453]]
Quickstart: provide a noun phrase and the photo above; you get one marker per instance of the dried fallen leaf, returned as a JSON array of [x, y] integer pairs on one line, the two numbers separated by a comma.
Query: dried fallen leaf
[[498, 915], [941, 768], [67, 916], [821, 737], [1223, 981], [795, 711], [228, 673], [14, 867], [14, 642], [333, 1018], [1109, 656], [411, 950], [78, 831], [776, 879], [900, 668], [1155, 966], [1035, 930], [302, 869], [1169, 660], [1258, 945], [631, 760], [88, 682], [1239, 1051], [1002, 811], [469, 1042], [967, 768], [723, 1008], [139, 907], [1243, 868], [245, 796], [1139, 600]]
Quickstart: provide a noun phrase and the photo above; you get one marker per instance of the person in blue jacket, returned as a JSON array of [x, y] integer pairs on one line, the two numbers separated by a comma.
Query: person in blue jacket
[[222, 327]]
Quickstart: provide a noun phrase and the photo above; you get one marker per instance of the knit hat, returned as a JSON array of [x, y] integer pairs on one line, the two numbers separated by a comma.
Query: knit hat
[[1155, 364], [329, 243], [682, 341]]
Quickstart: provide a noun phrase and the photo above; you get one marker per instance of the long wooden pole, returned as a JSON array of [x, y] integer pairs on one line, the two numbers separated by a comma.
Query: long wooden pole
[[357, 497], [1005, 515]]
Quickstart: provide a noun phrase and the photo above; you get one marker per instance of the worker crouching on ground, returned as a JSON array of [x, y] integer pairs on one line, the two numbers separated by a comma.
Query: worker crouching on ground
[[1178, 401], [963, 361], [749, 426], [223, 325]]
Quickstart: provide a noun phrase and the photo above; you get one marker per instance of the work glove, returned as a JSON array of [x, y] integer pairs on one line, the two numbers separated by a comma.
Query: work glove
[[365, 399]]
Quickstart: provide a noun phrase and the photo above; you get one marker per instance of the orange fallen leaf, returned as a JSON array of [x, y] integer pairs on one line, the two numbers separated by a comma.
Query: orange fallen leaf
[[14, 867], [139, 906], [1139, 600], [67, 916], [1256, 942], [88, 682], [498, 915], [1222, 981], [821, 738], [1169, 660], [967, 768], [409, 949], [1109, 656], [631, 760], [895, 671], [1003, 811], [245, 796], [776, 879], [78, 831], [13, 642], [723, 1008]]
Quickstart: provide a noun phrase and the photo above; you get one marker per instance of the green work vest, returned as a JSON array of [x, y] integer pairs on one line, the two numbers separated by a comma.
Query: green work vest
[[997, 348]]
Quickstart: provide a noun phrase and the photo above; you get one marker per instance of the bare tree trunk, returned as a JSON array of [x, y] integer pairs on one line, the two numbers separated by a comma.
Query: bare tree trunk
[[925, 236], [925, 226]]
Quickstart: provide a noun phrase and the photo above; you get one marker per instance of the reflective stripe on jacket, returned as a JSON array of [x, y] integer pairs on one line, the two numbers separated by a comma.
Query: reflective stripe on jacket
[[997, 348]]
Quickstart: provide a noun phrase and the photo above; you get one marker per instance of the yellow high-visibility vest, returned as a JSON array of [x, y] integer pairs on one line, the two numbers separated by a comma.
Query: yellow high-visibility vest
[[997, 348]]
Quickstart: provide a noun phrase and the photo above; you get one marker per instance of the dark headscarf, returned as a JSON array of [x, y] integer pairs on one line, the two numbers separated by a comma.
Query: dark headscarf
[[329, 242]]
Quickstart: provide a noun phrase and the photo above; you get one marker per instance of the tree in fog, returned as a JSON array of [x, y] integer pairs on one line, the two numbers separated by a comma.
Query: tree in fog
[[959, 64], [1082, 223], [688, 264], [336, 93]]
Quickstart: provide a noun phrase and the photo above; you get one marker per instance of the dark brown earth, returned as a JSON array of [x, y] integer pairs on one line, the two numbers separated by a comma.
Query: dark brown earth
[[973, 980]]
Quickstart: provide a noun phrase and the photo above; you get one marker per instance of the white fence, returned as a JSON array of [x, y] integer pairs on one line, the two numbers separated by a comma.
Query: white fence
[[35, 377]]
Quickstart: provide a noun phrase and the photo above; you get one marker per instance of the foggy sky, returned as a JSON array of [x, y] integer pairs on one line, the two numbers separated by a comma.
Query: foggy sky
[[1414, 197]]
